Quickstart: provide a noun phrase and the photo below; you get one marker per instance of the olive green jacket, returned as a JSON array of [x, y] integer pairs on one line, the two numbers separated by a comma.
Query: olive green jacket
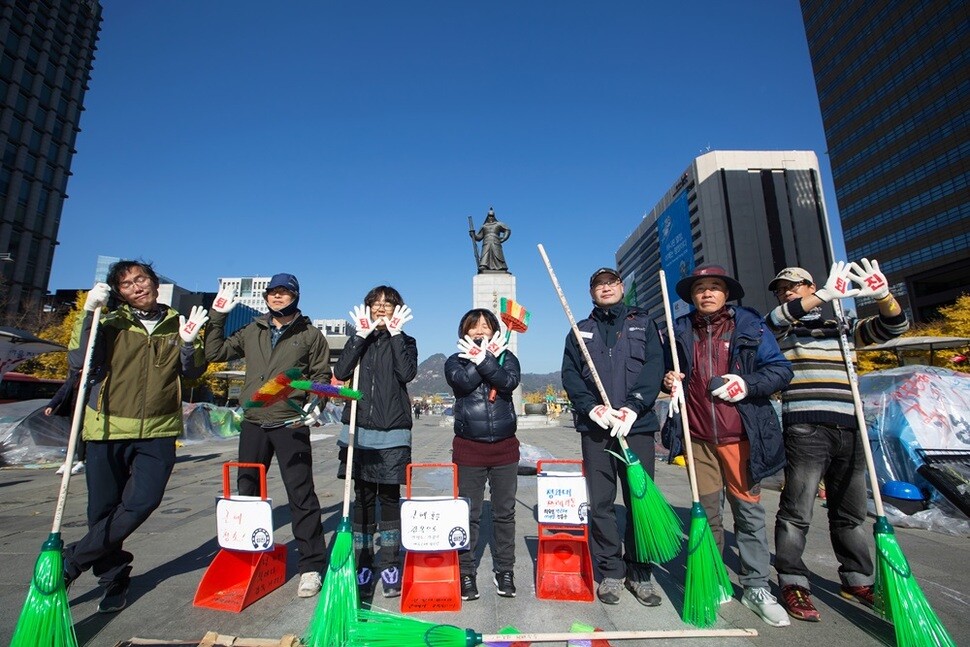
[[302, 346], [134, 388]]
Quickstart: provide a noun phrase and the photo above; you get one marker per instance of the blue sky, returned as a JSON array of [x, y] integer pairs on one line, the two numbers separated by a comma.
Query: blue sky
[[347, 143]]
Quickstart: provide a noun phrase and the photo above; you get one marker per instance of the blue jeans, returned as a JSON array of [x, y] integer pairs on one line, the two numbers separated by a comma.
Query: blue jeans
[[833, 454]]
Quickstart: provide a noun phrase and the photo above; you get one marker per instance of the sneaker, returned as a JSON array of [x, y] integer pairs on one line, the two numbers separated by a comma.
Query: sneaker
[[365, 582], [609, 590], [115, 597], [504, 583], [861, 594], [78, 467], [644, 593], [798, 602], [391, 582], [469, 588], [310, 584], [60, 470], [762, 602]]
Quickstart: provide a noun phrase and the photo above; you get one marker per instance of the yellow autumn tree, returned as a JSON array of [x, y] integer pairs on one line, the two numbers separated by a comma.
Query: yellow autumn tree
[[54, 365], [953, 321]]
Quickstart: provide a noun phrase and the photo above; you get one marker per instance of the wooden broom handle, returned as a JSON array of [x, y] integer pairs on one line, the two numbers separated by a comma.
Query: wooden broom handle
[[77, 420], [683, 409], [579, 338], [620, 635], [352, 427], [857, 404]]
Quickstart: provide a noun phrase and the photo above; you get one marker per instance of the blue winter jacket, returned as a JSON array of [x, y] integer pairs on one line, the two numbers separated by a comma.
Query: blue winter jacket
[[756, 358]]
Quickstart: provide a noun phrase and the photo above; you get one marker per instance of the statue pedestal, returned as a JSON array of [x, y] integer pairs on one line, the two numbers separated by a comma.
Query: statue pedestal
[[487, 292]]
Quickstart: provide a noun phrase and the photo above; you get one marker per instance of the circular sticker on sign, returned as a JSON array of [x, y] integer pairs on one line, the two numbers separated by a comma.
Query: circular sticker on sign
[[457, 537], [261, 539], [583, 512]]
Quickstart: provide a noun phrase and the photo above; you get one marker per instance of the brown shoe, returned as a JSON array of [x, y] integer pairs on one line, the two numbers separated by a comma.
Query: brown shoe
[[798, 603], [861, 594]]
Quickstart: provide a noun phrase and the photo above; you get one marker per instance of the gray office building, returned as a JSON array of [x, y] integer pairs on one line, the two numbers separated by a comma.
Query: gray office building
[[753, 212], [48, 49], [893, 81]]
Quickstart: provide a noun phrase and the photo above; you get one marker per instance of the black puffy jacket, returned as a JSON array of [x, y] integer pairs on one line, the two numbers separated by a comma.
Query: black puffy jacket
[[387, 364], [475, 417]]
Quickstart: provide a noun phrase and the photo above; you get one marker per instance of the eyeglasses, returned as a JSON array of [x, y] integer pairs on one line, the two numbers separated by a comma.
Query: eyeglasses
[[141, 281], [382, 305], [782, 290], [611, 283]]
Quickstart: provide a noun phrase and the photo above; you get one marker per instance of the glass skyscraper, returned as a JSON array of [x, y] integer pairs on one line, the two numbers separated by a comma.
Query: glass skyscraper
[[48, 49], [893, 80]]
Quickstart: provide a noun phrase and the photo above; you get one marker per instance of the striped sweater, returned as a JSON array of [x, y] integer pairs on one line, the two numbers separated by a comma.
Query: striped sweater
[[819, 392]]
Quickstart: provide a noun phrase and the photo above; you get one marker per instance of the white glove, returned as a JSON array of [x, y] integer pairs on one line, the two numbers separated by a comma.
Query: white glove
[[866, 273], [361, 316], [471, 350], [225, 300], [838, 285], [623, 420], [733, 390], [601, 416], [497, 344], [395, 323], [312, 416], [189, 329], [97, 297], [676, 398]]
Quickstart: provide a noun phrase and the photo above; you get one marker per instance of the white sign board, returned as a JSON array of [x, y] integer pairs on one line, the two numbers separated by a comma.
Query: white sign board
[[245, 523], [434, 523], [562, 498]]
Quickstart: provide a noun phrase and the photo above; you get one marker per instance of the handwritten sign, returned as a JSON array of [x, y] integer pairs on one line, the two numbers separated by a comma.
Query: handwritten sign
[[562, 498], [245, 523], [434, 523]]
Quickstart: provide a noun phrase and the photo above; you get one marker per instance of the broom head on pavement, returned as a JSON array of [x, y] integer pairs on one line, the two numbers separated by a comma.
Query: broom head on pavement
[[707, 584], [378, 628], [899, 597], [339, 599], [656, 527], [45, 620]]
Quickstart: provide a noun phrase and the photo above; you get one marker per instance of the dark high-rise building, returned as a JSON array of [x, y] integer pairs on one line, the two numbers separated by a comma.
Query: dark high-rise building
[[752, 212], [893, 80], [48, 48]]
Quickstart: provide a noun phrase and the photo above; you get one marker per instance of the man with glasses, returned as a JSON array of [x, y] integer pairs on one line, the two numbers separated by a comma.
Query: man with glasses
[[271, 344], [821, 435], [132, 415], [626, 351]]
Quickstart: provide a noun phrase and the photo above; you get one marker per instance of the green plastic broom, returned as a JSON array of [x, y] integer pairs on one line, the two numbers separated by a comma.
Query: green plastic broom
[[707, 583], [379, 628], [45, 620], [339, 598], [657, 530], [897, 593]]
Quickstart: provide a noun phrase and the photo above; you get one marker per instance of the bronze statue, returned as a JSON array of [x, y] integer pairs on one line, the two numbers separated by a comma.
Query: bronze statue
[[492, 234]]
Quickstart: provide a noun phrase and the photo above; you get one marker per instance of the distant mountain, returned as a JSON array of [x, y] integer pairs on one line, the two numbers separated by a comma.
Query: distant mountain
[[431, 379]]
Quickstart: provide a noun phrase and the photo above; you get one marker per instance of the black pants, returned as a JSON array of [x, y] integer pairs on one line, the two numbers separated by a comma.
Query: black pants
[[602, 473], [503, 483], [126, 481], [291, 445], [367, 495]]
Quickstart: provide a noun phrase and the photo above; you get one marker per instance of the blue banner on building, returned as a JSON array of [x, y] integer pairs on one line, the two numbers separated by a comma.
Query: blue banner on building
[[676, 250]]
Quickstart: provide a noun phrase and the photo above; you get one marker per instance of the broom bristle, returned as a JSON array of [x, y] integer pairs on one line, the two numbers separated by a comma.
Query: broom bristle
[[656, 527], [339, 599], [379, 628], [45, 620], [899, 597], [707, 584]]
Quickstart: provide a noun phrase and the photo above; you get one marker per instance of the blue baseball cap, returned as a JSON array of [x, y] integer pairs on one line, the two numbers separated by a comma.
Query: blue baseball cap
[[285, 281]]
